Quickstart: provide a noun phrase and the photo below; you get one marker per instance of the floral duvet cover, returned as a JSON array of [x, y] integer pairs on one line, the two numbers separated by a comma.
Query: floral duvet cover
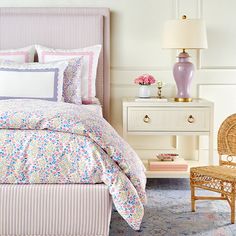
[[51, 142]]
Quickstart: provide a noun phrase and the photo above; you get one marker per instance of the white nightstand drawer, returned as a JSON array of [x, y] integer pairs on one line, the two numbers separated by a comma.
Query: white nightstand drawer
[[168, 119]]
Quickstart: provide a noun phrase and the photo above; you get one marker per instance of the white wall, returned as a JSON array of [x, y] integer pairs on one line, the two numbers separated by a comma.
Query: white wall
[[136, 27]]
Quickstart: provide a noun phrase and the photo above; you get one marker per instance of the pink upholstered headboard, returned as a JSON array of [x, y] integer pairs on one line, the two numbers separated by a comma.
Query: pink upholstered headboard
[[62, 28]]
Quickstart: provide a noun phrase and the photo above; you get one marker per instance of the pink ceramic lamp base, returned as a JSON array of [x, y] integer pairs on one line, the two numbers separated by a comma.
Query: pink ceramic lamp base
[[183, 74]]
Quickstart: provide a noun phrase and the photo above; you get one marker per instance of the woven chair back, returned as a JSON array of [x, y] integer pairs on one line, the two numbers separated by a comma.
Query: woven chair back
[[227, 137]]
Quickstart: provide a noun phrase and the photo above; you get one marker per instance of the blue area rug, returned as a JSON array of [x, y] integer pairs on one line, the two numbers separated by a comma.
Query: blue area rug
[[168, 212]]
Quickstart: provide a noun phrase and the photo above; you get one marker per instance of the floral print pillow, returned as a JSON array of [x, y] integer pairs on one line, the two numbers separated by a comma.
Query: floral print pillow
[[72, 81]]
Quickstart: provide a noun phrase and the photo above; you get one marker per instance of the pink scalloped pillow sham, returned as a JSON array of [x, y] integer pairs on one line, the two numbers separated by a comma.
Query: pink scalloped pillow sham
[[89, 66], [20, 55]]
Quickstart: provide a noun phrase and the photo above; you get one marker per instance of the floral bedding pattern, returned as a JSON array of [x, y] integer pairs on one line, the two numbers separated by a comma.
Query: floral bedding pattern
[[55, 142]]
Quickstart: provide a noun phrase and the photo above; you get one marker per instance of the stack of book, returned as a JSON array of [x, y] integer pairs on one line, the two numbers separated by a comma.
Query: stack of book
[[178, 164]]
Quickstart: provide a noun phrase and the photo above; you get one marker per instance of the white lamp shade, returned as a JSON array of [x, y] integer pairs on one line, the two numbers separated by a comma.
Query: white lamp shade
[[185, 34]]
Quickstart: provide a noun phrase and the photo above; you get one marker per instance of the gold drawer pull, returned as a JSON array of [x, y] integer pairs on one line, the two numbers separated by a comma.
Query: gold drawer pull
[[191, 119], [146, 119]]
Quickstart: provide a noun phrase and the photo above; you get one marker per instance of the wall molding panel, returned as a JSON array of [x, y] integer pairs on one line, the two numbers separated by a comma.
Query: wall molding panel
[[220, 53], [199, 8], [191, 8], [224, 98]]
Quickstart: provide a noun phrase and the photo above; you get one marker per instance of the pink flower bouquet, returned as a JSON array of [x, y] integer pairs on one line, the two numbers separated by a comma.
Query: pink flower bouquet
[[145, 79]]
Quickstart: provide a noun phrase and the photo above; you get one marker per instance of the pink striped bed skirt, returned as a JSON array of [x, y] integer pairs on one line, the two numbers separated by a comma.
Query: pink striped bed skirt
[[54, 209]]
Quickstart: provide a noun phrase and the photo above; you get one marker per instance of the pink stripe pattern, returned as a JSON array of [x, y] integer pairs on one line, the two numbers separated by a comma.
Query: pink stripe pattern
[[72, 209]]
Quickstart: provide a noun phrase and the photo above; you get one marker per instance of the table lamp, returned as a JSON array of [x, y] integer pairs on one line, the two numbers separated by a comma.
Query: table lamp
[[184, 34]]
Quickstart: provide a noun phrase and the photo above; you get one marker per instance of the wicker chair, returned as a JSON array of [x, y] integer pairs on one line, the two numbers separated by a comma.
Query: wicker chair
[[222, 178]]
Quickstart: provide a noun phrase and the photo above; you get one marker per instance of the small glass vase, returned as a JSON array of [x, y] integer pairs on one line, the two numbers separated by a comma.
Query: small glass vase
[[144, 91]]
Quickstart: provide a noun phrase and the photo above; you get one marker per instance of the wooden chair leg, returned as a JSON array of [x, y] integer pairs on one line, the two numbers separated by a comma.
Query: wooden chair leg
[[193, 204], [222, 188], [233, 208]]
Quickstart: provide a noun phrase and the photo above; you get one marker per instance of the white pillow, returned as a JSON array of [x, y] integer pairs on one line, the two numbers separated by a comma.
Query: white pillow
[[89, 66], [32, 80], [20, 55]]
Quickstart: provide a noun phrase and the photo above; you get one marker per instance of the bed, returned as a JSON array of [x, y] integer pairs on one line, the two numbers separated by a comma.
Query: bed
[[57, 208]]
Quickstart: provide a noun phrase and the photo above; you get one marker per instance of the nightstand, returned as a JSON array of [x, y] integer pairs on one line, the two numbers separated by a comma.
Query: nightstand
[[169, 118]]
